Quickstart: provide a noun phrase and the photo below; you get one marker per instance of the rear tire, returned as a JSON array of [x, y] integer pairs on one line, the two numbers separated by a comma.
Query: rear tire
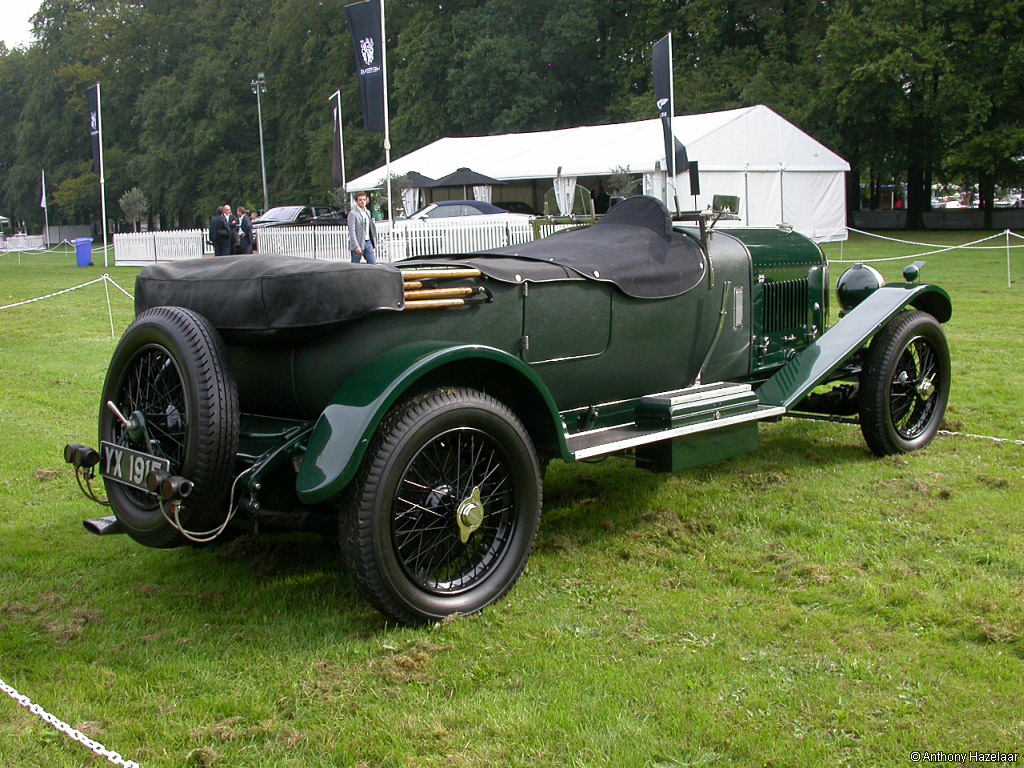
[[443, 515], [904, 385], [171, 366]]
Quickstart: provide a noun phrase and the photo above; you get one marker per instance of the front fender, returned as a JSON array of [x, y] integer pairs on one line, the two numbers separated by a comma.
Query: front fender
[[345, 428], [812, 366]]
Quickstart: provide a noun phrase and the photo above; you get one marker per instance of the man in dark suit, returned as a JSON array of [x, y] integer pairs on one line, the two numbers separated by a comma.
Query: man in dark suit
[[244, 230], [220, 231]]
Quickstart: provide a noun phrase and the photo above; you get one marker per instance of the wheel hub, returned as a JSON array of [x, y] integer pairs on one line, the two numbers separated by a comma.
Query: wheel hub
[[470, 515], [438, 495], [926, 388]]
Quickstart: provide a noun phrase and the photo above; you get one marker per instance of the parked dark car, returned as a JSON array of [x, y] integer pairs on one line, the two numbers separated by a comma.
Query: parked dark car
[[447, 209], [299, 216], [411, 409], [516, 206]]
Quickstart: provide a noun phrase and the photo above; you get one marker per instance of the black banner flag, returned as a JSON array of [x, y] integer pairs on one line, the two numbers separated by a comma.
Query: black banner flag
[[338, 157], [364, 22], [675, 162], [94, 126]]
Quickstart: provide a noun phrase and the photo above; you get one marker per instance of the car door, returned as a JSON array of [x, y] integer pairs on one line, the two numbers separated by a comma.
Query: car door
[[565, 320]]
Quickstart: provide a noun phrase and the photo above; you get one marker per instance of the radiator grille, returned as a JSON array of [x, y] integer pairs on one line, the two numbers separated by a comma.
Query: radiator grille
[[785, 305]]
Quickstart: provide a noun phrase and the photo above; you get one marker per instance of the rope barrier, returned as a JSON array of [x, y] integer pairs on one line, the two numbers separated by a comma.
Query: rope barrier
[[105, 279], [41, 251], [966, 246], [947, 433], [51, 295], [970, 246]]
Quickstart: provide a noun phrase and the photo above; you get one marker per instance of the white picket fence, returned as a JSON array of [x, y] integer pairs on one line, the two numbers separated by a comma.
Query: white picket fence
[[136, 249], [22, 243], [405, 240]]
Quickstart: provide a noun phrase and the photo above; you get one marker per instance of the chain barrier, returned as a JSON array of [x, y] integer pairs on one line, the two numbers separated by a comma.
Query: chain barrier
[[72, 733]]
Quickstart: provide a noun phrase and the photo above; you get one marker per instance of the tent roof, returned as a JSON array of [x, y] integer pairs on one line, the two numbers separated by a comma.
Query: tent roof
[[464, 177], [751, 138]]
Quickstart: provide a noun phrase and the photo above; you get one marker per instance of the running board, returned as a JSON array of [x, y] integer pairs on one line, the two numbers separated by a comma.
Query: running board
[[669, 416]]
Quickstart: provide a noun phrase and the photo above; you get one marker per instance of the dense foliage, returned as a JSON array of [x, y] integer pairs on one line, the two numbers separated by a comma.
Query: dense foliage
[[915, 90]]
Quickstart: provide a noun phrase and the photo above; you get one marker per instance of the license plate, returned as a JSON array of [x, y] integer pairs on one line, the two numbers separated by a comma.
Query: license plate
[[129, 467]]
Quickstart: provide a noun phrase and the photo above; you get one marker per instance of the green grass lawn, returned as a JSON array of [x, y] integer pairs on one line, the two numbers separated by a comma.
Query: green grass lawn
[[805, 605]]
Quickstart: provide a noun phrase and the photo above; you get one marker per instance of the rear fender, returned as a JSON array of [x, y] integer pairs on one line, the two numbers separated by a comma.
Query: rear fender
[[816, 362], [344, 430]]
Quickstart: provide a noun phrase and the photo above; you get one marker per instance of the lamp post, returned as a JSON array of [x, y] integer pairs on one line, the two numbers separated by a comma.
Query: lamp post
[[259, 85]]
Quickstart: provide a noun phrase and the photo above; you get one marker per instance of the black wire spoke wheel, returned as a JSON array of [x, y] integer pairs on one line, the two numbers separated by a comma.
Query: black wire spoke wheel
[[444, 512], [153, 386], [171, 379], [912, 389], [905, 385], [441, 546]]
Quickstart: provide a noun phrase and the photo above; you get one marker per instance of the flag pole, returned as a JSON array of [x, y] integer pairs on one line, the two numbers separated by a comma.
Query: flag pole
[[387, 119], [103, 193], [46, 214], [671, 123], [339, 130], [341, 136]]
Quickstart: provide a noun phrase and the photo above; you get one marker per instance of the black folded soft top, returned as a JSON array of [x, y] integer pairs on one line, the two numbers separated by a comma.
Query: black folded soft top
[[633, 246], [251, 299]]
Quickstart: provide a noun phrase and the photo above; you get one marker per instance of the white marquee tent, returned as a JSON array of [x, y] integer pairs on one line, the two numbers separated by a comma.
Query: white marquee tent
[[779, 172]]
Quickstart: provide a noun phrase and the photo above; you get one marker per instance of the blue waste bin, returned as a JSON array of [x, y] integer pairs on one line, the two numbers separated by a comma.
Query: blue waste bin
[[83, 251]]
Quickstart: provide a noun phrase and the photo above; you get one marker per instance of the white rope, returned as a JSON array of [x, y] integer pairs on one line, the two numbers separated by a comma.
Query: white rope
[[41, 251], [104, 278], [947, 433], [966, 246], [72, 733], [51, 295], [970, 246], [981, 437], [122, 290]]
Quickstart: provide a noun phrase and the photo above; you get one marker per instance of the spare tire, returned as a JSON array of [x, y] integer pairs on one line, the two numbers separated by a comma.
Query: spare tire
[[171, 374]]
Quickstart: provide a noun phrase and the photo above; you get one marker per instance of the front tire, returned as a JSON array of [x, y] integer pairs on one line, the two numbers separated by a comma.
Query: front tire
[[171, 368], [904, 386], [445, 510]]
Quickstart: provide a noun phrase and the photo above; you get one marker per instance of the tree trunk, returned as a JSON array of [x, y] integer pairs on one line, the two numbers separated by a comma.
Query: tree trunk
[[852, 194], [986, 195], [916, 198]]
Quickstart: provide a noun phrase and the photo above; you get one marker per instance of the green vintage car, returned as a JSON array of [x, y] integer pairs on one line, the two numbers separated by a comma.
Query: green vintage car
[[411, 409]]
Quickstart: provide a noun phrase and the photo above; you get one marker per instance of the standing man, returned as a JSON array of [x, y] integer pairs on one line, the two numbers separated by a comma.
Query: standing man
[[220, 231], [362, 234], [244, 230]]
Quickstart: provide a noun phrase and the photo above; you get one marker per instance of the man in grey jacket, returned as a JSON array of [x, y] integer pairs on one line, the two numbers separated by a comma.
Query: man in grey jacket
[[362, 234]]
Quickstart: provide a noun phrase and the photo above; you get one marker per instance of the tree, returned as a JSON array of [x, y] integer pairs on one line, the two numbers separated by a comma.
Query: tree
[[134, 205], [904, 89], [987, 147]]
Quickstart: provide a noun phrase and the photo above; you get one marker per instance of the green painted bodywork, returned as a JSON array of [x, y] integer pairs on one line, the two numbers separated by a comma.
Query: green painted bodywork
[[566, 354], [347, 425], [681, 453], [812, 366]]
